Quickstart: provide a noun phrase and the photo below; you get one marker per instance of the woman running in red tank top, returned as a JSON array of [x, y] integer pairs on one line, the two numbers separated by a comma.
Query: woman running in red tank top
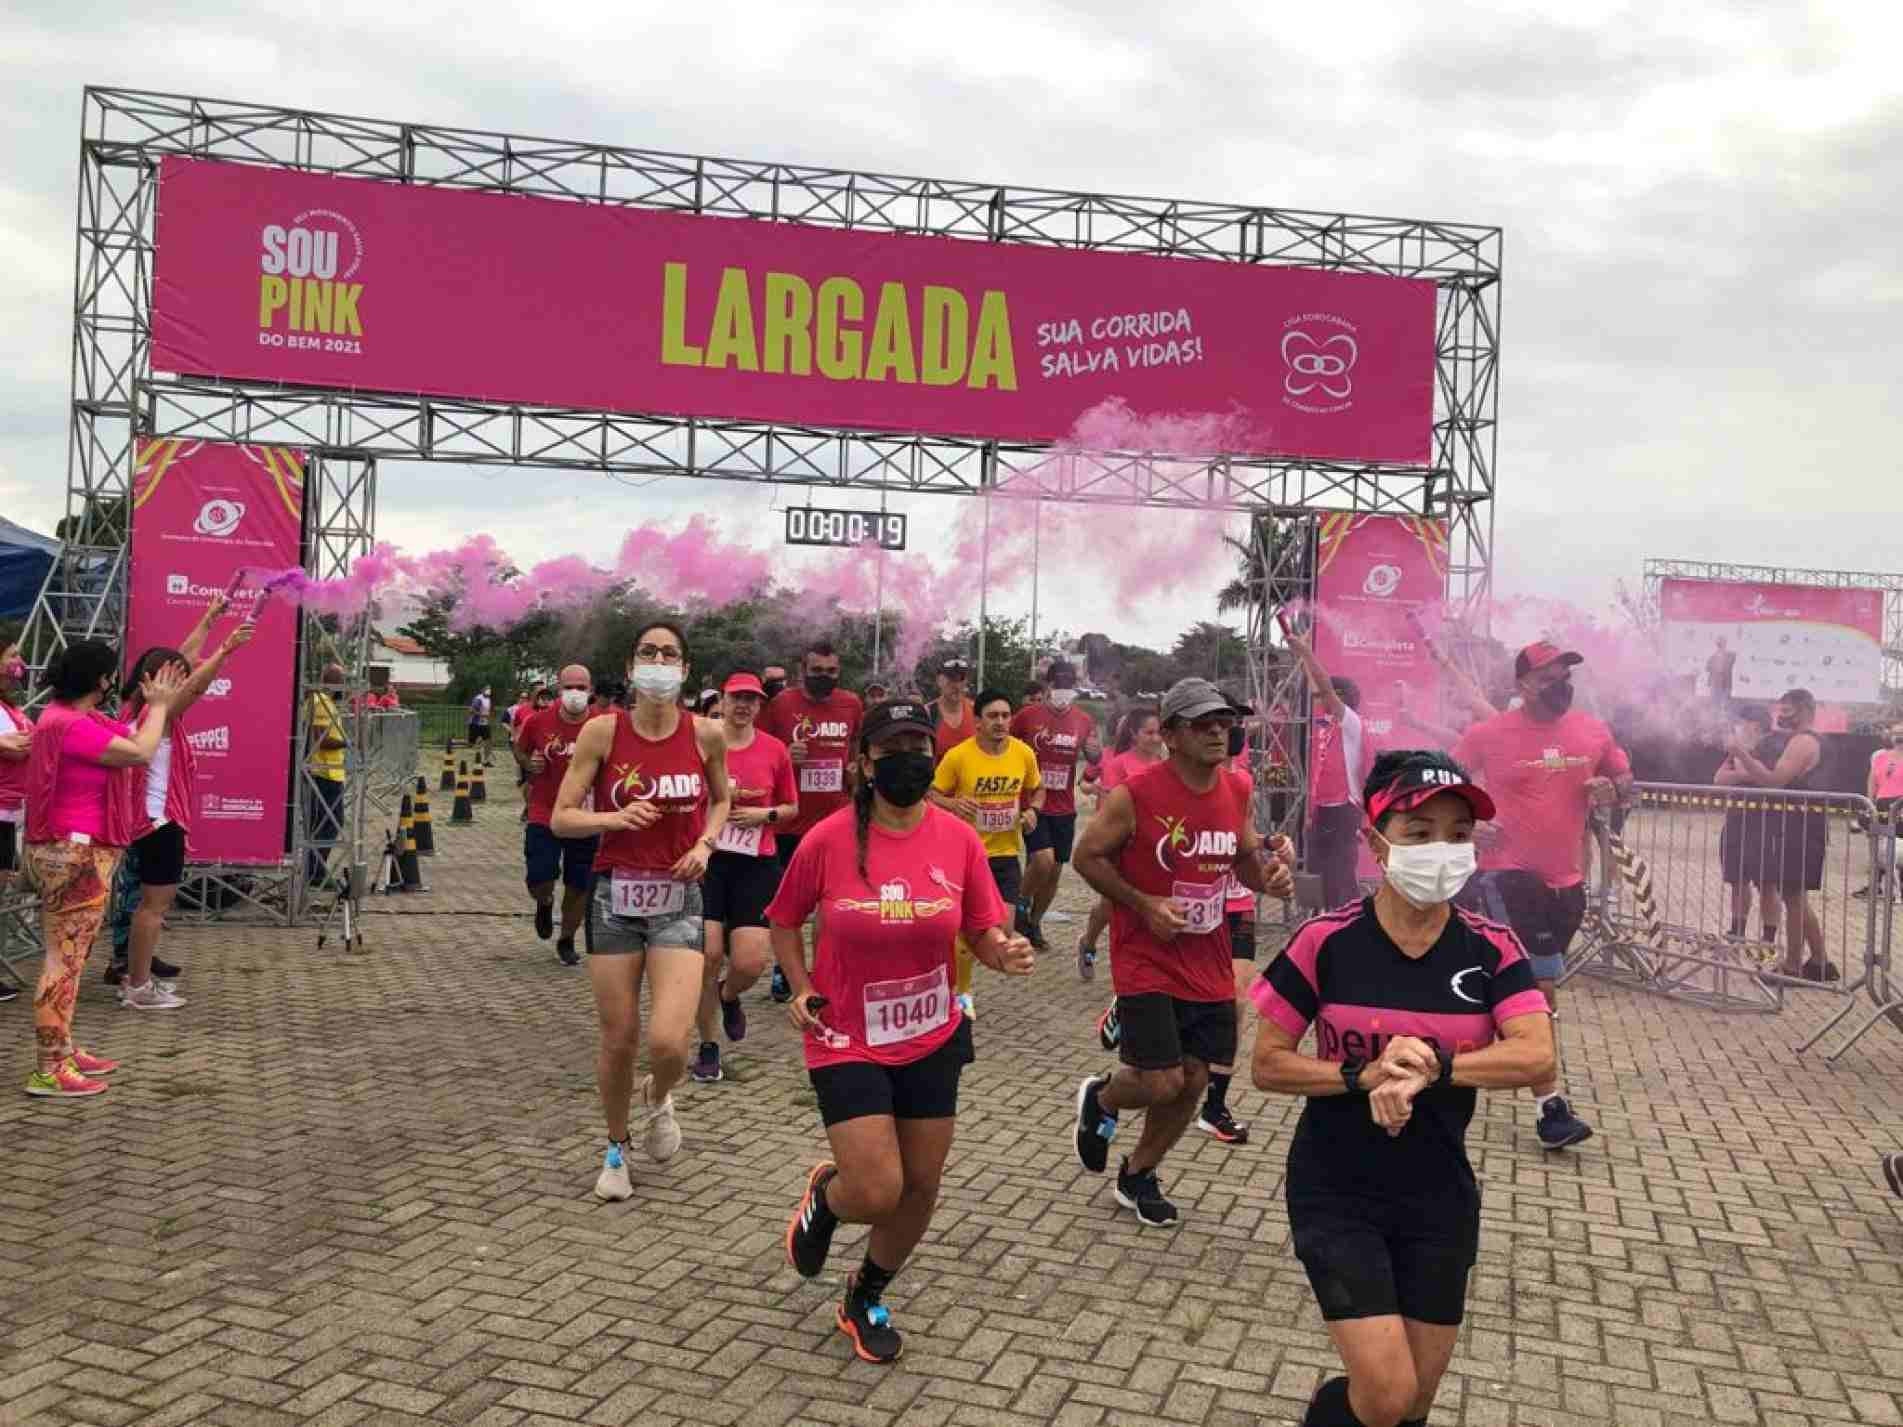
[[651, 781]]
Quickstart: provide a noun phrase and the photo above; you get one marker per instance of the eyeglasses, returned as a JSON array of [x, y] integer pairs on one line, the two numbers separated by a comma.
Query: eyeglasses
[[659, 653], [1214, 723]]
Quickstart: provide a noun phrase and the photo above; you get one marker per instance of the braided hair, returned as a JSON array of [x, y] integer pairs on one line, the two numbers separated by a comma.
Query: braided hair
[[862, 823]]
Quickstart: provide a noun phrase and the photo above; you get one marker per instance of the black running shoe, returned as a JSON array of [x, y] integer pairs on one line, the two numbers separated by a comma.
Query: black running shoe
[[7, 993], [1021, 920], [780, 991], [1223, 1126], [733, 1018], [1893, 1171], [545, 920], [1036, 936], [706, 1067], [1559, 1127], [165, 971], [809, 1233], [565, 951], [1142, 1193], [117, 971], [1095, 1125], [866, 1322]]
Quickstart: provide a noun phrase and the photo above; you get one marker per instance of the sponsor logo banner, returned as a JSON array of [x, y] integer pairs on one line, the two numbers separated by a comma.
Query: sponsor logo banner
[[269, 274], [1775, 637], [200, 510]]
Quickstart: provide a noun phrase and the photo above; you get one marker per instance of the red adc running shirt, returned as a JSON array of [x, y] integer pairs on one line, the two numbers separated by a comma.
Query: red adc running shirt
[[830, 730], [1057, 737], [884, 959], [668, 773], [550, 734], [1344, 974], [1184, 848]]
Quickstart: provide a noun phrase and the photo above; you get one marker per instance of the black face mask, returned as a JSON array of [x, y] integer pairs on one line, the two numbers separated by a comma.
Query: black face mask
[[821, 686], [902, 778], [773, 686], [1557, 698]]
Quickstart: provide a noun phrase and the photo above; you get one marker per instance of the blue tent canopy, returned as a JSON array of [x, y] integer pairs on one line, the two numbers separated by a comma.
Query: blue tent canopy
[[25, 557]]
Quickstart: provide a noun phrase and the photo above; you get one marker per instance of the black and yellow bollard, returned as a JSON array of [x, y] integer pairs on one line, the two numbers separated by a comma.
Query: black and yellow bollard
[[425, 827], [478, 785], [407, 867], [462, 812], [448, 781]]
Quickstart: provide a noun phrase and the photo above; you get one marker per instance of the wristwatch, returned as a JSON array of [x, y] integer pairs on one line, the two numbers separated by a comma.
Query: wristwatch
[[772, 815], [1446, 1076], [1351, 1075]]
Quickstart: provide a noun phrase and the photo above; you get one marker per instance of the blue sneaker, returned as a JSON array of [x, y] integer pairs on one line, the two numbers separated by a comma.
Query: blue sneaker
[[613, 1182], [1559, 1127]]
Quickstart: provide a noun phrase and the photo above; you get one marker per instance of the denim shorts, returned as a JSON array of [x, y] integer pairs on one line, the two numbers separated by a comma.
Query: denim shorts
[[605, 934]]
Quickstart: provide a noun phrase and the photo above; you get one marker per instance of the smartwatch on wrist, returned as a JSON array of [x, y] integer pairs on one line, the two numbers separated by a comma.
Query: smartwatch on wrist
[[1351, 1075], [1446, 1076], [772, 815]]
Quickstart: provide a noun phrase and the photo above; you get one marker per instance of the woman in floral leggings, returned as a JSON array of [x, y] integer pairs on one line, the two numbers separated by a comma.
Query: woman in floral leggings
[[79, 818]]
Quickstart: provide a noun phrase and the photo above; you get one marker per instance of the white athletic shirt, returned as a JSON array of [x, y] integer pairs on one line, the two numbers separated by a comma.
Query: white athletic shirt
[[158, 776]]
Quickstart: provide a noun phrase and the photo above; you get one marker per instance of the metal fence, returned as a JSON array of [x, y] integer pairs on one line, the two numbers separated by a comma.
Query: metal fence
[[1734, 899]]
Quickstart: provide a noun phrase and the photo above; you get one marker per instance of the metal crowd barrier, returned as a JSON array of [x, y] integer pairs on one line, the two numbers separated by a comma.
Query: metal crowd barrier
[[1684, 886], [387, 760], [20, 949]]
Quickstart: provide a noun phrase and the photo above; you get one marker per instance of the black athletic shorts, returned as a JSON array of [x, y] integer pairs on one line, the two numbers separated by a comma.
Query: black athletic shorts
[[547, 856], [927, 1089], [1748, 849], [161, 856], [1159, 1031], [1544, 918], [1009, 876], [1057, 831], [785, 844], [1803, 839], [737, 888], [478, 732], [9, 847], [1241, 938], [1369, 1258]]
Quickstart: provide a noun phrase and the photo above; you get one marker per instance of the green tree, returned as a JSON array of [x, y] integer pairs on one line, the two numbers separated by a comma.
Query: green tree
[[1285, 573], [1207, 650]]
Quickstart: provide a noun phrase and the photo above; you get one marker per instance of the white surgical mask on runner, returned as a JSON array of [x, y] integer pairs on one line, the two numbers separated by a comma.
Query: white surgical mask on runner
[[658, 681], [1063, 698], [574, 701], [1429, 873]]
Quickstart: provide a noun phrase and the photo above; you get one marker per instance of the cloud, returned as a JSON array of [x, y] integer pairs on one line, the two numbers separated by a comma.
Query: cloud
[[1701, 293]]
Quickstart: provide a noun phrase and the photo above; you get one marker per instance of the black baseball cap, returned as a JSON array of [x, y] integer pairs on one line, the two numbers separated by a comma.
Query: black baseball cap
[[1423, 776], [894, 716], [957, 664], [1061, 674]]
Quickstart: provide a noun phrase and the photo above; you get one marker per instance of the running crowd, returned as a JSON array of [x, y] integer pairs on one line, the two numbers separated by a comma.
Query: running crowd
[[684, 852]]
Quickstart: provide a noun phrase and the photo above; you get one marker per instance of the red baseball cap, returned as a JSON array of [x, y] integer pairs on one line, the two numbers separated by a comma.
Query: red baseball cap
[[743, 683], [1424, 776], [1539, 654]]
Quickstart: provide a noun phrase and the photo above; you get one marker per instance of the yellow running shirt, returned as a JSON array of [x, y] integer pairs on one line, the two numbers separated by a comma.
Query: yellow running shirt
[[996, 784]]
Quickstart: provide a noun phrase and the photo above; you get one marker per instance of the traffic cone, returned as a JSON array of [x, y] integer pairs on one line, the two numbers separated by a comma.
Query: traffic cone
[[425, 828], [462, 812], [447, 783], [478, 785], [411, 874]]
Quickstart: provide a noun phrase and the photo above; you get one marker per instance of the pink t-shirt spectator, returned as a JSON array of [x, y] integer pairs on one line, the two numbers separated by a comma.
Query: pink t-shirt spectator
[[884, 960], [81, 782], [1537, 772], [12, 774], [1886, 763]]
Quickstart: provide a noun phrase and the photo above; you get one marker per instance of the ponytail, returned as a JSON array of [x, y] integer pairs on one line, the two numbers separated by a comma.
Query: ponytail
[[862, 823]]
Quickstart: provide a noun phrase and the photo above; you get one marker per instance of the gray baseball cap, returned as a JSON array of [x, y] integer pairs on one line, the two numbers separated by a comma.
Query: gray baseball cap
[[1197, 698]]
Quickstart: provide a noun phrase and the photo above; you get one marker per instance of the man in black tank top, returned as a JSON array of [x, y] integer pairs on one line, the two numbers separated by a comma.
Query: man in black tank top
[[1788, 762]]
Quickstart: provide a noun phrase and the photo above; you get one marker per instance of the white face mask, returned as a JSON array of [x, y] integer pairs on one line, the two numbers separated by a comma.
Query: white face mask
[[574, 701], [658, 681], [1429, 873], [1063, 698]]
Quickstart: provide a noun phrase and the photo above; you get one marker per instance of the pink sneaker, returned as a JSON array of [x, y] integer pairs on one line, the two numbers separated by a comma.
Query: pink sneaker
[[87, 1063], [63, 1082]]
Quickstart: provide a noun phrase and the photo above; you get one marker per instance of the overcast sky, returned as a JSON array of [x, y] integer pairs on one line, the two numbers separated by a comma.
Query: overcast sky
[[1703, 282]]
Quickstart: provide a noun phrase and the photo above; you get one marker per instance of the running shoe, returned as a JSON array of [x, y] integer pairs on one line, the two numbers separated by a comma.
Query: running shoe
[[1223, 1126], [733, 1017], [165, 971], [1820, 971], [64, 1082], [809, 1233], [866, 1322], [88, 1064], [1021, 921], [545, 920], [1559, 1127], [1095, 1125], [116, 972], [1086, 961], [1110, 1028], [706, 1067], [7, 993], [966, 1005], [565, 951], [780, 991], [660, 1131], [613, 1183], [150, 997], [1862, 891], [1142, 1193], [1893, 1171]]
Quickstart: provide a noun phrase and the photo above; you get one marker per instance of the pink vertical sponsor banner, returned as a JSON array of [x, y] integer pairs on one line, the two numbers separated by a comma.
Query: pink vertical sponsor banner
[[1372, 573], [275, 275], [201, 511]]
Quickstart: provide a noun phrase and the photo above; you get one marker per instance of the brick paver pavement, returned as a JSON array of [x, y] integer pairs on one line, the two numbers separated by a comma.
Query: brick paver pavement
[[340, 1190]]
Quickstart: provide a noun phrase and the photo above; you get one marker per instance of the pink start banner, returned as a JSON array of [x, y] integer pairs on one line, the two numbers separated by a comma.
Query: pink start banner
[[267, 274], [1372, 573], [201, 511], [1749, 640]]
